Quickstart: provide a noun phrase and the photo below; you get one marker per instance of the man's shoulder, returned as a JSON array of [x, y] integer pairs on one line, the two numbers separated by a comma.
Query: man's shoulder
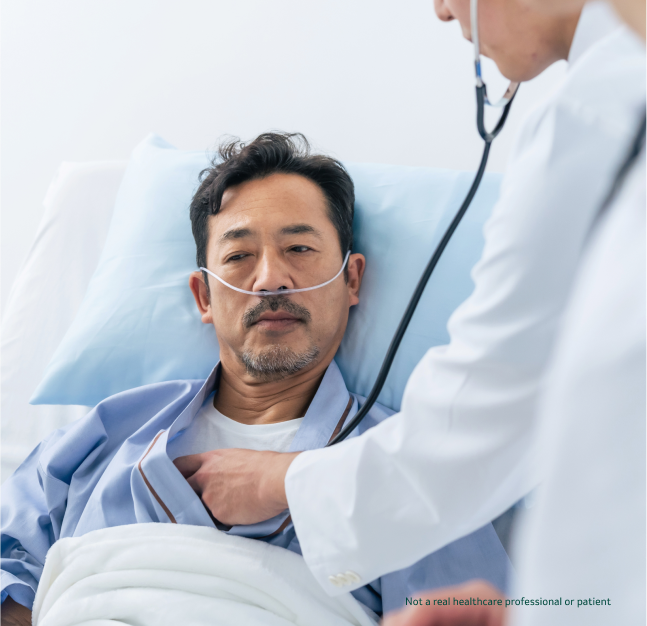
[[146, 409], [598, 97], [127, 411], [607, 83], [165, 400], [160, 392], [619, 52], [591, 115]]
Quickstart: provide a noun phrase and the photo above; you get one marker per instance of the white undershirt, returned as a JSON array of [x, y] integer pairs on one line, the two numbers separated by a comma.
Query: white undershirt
[[211, 430]]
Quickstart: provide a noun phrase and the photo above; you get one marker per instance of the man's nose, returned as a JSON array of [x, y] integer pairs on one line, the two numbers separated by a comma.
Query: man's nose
[[272, 273], [442, 11]]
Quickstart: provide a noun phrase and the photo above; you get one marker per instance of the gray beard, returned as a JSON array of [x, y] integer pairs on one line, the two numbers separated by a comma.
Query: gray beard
[[277, 362]]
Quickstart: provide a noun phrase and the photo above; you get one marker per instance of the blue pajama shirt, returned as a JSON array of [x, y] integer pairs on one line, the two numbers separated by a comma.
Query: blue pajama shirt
[[115, 466]]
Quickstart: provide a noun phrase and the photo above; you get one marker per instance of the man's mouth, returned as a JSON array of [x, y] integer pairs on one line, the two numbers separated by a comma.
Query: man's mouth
[[276, 313], [276, 320]]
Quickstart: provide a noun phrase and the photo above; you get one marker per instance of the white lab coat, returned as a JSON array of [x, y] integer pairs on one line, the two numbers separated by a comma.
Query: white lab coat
[[585, 536], [457, 455]]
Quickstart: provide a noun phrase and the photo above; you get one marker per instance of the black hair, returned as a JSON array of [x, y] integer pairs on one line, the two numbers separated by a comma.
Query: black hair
[[271, 153]]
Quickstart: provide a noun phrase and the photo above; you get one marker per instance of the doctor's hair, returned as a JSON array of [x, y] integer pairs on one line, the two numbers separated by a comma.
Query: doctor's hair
[[237, 162]]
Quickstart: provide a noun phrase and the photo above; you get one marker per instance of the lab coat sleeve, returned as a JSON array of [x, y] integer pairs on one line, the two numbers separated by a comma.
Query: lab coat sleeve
[[33, 506], [457, 455]]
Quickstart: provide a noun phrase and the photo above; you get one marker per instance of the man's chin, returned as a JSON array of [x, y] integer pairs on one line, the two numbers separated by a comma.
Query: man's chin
[[277, 362]]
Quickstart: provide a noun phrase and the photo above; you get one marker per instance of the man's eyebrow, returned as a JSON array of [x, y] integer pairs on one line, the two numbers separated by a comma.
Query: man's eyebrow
[[235, 233], [300, 229]]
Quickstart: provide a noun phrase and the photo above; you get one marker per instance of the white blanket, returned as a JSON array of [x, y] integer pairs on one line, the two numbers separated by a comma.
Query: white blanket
[[178, 575]]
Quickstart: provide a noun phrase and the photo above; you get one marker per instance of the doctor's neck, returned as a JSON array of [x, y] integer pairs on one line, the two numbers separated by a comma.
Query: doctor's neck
[[634, 13], [518, 36]]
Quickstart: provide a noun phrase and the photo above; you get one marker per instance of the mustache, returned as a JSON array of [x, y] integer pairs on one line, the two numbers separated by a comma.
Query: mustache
[[274, 303]]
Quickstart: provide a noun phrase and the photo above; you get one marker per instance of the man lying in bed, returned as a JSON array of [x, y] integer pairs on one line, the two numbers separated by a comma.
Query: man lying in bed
[[268, 216]]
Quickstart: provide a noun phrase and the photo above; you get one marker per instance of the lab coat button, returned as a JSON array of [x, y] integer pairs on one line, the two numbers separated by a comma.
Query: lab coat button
[[335, 581], [351, 577]]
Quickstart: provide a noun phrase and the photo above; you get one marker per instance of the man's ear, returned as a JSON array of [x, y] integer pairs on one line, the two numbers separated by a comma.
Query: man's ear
[[199, 290], [356, 265]]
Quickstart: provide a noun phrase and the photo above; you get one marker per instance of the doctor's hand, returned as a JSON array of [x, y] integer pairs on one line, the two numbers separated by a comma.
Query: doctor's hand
[[238, 486], [453, 614]]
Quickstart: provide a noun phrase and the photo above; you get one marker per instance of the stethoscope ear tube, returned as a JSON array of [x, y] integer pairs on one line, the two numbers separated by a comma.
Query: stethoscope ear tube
[[481, 101]]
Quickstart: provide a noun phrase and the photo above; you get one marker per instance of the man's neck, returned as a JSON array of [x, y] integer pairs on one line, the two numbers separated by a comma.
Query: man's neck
[[251, 402]]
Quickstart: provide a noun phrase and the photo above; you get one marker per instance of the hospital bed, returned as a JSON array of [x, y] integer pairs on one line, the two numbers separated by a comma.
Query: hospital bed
[[46, 296], [399, 213]]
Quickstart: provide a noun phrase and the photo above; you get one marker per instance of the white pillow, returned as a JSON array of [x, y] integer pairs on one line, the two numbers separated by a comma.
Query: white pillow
[[46, 297]]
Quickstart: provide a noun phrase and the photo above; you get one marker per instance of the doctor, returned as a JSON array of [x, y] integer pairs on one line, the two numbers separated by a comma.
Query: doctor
[[586, 535], [459, 453]]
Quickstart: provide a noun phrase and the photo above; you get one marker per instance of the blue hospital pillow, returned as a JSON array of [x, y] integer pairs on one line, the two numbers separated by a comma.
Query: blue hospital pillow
[[138, 323]]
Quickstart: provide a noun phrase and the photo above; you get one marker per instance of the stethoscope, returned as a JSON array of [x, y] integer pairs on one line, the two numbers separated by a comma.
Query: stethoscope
[[488, 137], [636, 148]]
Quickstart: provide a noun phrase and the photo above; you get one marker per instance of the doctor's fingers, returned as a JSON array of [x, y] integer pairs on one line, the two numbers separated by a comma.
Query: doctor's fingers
[[449, 607], [190, 464], [445, 616]]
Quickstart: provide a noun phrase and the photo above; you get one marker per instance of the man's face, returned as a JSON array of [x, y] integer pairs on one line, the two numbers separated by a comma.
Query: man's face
[[522, 40], [270, 234]]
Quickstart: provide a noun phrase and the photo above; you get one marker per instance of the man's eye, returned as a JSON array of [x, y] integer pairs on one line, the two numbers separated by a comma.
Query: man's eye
[[236, 257], [300, 248]]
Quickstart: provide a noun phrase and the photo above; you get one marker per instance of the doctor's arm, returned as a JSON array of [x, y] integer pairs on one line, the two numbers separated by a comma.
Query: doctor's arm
[[459, 452]]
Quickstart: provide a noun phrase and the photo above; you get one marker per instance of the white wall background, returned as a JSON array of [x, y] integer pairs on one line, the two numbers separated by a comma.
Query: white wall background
[[365, 80]]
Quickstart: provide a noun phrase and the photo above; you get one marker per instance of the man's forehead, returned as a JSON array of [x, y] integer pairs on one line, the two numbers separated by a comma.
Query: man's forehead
[[242, 232], [281, 204], [276, 189]]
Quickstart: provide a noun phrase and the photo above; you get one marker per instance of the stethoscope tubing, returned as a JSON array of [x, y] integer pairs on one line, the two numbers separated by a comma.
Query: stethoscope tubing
[[635, 149], [413, 303], [488, 137], [431, 266]]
